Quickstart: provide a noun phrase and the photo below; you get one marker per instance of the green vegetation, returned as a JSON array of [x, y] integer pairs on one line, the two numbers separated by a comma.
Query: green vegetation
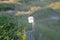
[[13, 27], [4, 7], [9, 29], [47, 26]]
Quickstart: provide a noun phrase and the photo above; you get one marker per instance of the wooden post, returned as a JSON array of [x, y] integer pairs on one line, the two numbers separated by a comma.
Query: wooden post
[[33, 25]]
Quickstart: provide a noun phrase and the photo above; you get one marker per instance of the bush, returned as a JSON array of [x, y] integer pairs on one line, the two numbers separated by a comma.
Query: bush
[[4, 7], [8, 29]]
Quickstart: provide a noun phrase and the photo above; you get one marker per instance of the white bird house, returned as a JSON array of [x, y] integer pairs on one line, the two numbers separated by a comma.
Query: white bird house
[[31, 19]]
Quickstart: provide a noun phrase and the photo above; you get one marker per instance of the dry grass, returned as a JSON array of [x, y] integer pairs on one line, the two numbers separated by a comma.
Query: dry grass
[[34, 8], [7, 2], [30, 11], [55, 5]]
